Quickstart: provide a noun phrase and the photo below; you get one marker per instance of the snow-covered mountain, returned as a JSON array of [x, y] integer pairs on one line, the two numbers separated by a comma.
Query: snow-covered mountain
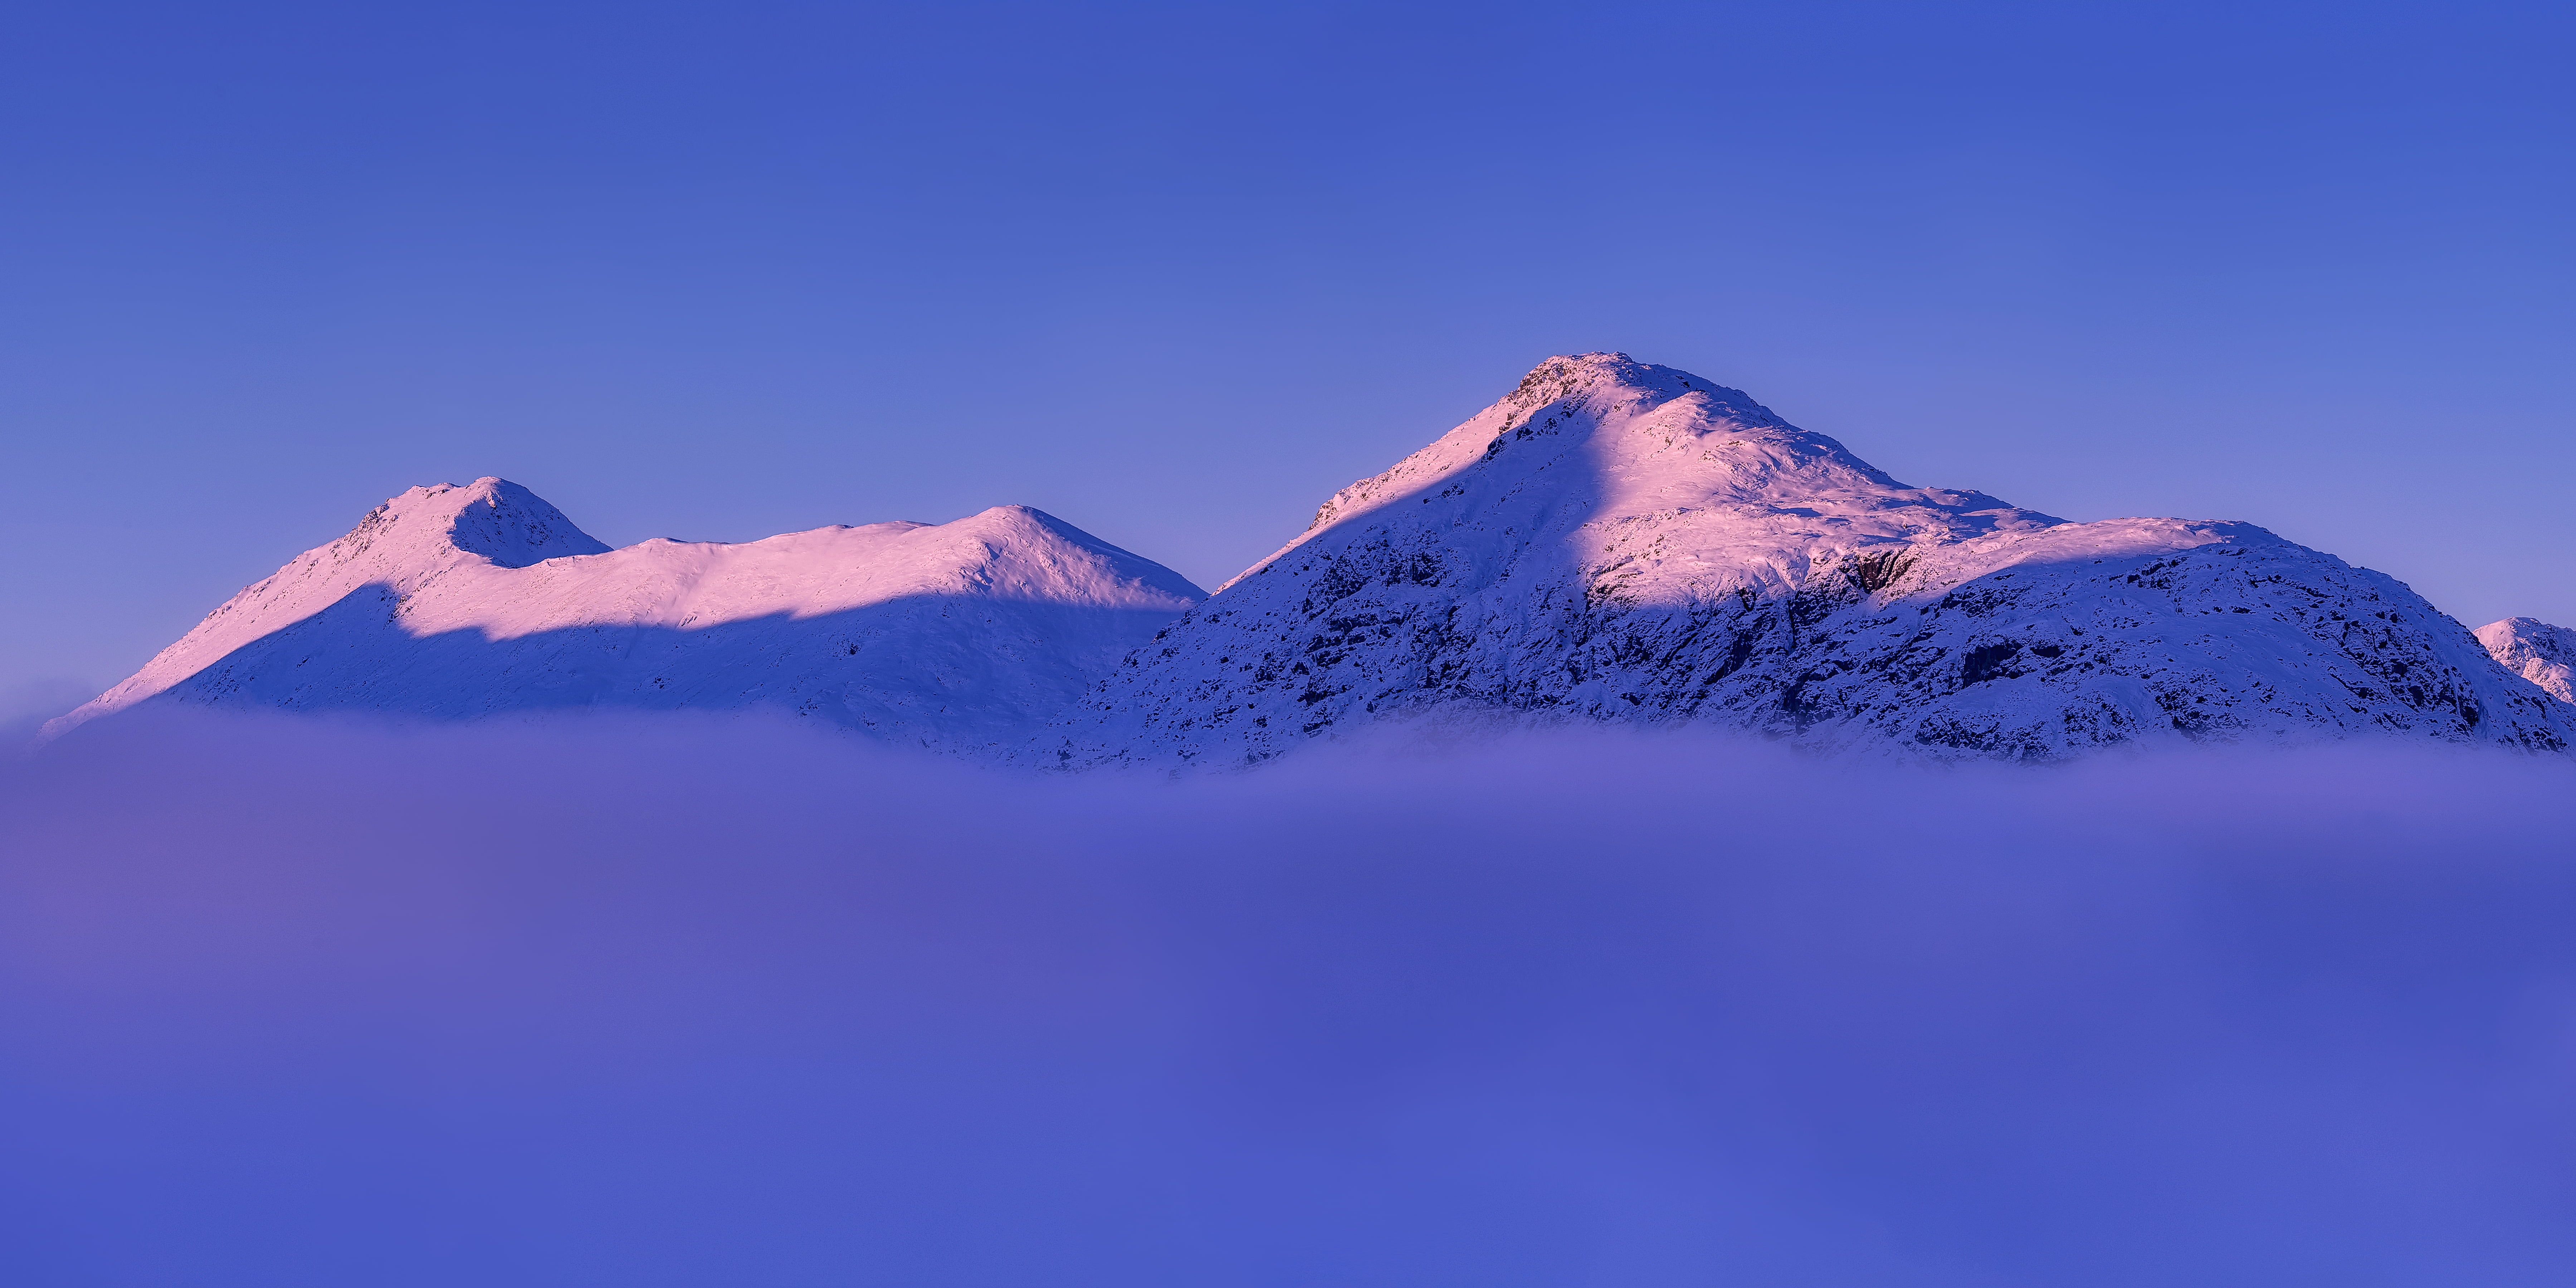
[[1621, 541], [2536, 651], [463, 601], [1611, 541]]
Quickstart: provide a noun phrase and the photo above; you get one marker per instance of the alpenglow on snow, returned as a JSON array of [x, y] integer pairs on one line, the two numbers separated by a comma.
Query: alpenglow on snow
[[479, 600], [1612, 541], [1626, 542], [2536, 651]]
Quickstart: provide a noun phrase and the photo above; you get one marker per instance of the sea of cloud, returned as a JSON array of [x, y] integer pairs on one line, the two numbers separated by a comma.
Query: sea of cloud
[[641, 1003]]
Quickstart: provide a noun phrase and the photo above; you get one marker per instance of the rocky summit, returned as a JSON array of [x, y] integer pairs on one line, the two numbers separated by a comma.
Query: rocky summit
[[1620, 541]]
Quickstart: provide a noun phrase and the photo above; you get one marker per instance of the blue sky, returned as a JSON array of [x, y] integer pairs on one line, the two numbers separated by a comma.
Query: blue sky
[[1175, 274]]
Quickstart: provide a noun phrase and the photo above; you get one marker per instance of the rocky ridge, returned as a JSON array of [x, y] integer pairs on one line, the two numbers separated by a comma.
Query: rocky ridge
[[1626, 542]]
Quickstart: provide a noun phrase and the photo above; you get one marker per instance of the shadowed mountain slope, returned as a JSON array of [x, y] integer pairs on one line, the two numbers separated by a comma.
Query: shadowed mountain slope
[[457, 602]]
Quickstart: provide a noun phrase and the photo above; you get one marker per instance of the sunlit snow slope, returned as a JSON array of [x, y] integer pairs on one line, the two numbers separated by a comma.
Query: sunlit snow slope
[[1622, 541], [2536, 651], [455, 601]]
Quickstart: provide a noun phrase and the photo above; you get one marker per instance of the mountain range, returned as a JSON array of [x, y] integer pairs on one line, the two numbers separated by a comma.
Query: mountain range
[[456, 602], [1611, 541]]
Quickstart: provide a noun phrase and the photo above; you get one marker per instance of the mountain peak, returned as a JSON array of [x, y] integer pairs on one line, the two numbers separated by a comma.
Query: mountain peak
[[1588, 376], [2536, 651], [491, 517], [1595, 435], [457, 600], [1618, 540], [1572, 372]]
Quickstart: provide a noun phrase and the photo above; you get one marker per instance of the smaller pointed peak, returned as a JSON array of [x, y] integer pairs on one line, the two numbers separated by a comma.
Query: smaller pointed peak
[[491, 516], [1028, 525], [514, 527], [1021, 519]]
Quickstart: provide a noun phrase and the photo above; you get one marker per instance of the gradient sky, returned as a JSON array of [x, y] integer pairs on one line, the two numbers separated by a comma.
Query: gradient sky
[[1176, 274]]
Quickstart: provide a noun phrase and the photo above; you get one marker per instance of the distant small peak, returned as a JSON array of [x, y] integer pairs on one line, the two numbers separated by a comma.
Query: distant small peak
[[2550, 639], [1029, 522]]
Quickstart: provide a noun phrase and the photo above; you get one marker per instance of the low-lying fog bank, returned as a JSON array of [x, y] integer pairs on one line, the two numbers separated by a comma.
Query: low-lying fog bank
[[640, 1003]]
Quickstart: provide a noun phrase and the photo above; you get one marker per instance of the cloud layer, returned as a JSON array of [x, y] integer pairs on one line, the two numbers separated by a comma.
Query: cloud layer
[[297, 1003]]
